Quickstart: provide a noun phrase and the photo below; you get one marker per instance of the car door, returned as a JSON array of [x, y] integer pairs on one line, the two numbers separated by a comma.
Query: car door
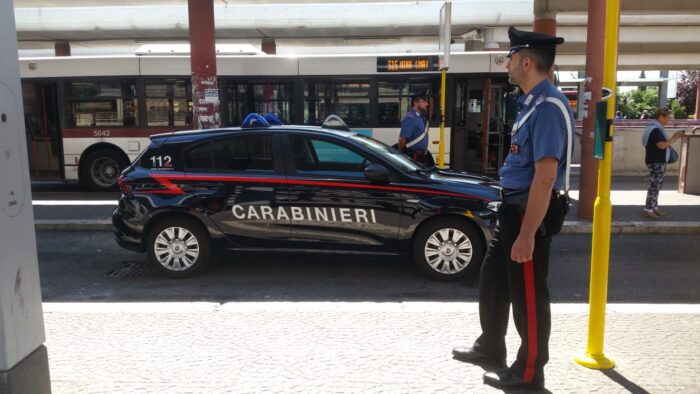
[[242, 188], [332, 205]]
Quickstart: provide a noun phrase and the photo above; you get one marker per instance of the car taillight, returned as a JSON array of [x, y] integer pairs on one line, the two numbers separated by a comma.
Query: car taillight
[[125, 188]]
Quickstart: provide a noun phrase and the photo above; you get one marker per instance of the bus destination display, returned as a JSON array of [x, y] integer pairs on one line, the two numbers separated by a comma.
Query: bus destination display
[[407, 64]]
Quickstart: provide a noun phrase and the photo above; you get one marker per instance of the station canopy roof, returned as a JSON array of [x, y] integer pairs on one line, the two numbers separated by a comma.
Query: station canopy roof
[[654, 34]]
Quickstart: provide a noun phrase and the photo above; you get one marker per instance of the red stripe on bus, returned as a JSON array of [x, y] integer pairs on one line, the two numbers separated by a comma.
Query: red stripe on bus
[[171, 188], [107, 132]]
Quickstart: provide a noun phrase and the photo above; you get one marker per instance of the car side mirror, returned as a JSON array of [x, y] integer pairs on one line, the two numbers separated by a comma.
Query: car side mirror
[[377, 173]]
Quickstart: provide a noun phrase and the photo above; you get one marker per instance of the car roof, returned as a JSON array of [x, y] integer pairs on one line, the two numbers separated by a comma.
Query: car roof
[[202, 134]]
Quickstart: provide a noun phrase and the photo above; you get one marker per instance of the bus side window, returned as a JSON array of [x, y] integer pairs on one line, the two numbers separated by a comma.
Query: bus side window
[[168, 102], [101, 103]]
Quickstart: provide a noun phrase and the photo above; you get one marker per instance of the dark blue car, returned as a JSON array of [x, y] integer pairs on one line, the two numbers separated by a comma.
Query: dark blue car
[[264, 188]]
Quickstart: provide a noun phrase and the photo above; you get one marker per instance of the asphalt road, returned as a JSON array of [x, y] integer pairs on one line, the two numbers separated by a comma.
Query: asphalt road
[[89, 266]]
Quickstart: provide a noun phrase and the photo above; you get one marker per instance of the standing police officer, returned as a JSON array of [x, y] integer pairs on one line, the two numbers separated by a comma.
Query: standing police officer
[[534, 178], [413, 139]]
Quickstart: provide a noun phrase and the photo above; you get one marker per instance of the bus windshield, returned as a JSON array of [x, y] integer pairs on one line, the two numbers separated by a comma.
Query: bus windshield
[[387, 153]]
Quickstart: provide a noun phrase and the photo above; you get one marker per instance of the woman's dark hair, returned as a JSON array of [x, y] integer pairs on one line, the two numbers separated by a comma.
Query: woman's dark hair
[[662, 112]]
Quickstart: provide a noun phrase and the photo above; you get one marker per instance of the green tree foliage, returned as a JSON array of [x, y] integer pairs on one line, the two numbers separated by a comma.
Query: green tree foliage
[[679, 111], [687, 89], [632, 103]]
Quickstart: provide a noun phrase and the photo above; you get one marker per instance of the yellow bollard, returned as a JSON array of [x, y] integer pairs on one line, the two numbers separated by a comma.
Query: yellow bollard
[[441, 149], [594, 357]]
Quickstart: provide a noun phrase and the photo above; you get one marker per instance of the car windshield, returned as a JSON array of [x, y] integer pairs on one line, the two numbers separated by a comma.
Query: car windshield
[[387, 153]]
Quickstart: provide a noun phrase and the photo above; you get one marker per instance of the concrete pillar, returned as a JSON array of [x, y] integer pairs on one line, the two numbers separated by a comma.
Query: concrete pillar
[[663, 91], [24, 366], [595, 50], [545, 22], [205, 89], [697, 98], [61, 48], [269, 46], [548, 26]]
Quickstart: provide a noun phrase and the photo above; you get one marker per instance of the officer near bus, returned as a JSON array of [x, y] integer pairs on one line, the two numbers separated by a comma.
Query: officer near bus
[[413, 139], [534, 178]]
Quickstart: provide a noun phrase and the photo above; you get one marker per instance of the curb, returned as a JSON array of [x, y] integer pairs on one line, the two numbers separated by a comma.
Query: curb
[[73, 224], [570, 226], [646, 227]]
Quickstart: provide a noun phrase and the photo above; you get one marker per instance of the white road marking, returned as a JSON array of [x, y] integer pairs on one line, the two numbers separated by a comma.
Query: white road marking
[[447, 307]]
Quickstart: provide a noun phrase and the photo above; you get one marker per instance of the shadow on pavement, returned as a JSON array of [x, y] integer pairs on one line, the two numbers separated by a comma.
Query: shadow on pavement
[[624, 382], [86, 266]]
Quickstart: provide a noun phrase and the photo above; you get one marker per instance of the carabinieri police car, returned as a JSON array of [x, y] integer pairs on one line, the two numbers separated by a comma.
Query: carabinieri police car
[[325, 190]]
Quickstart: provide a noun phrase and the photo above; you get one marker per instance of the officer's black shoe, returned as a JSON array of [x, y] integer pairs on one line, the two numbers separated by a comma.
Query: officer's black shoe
[[470, 355], [508, 379]]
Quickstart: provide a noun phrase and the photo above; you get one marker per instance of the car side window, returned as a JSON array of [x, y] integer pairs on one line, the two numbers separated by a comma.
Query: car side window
[[318, 155], [233, 153]]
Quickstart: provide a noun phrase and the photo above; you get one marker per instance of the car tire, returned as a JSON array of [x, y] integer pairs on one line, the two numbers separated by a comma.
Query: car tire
[[100, 169], [179, 247], [448, 249]]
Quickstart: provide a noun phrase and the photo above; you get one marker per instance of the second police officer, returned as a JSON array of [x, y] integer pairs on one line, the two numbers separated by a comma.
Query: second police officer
[[534, 178], [413, 139]]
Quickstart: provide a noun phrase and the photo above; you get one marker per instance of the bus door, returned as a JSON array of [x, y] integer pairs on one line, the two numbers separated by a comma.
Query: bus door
[[40, 99], [497, 137], [468, 125], [481, 119]]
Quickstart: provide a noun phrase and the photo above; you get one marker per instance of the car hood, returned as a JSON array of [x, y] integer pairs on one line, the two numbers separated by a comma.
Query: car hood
[[460, 177], [462, 181]]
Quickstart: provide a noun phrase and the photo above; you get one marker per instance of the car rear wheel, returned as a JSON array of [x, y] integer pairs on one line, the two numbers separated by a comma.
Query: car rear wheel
[[448, 249], [179, 247]]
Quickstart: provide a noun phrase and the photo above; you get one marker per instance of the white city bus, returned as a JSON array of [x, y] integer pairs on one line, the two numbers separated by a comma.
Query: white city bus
[[88, 117]]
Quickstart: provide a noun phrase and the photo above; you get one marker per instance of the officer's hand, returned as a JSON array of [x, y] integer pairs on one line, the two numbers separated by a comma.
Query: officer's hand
[[522, 248]]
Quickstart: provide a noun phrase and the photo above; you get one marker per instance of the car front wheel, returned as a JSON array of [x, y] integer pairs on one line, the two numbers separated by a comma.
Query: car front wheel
[[448, 249]]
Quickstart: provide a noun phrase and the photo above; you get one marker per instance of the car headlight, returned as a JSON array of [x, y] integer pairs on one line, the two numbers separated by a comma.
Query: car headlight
[[494, 205]]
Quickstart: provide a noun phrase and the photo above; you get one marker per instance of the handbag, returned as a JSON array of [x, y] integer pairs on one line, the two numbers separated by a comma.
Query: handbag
[[672, 156]]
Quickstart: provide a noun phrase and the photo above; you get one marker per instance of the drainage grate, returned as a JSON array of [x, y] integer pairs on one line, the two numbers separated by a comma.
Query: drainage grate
[[132, 269]]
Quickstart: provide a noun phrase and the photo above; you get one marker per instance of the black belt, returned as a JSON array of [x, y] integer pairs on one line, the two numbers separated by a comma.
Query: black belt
[[513, 192]]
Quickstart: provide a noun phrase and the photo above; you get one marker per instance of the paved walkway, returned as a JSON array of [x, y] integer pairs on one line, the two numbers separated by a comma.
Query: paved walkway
[[628, 196], [346, 347]]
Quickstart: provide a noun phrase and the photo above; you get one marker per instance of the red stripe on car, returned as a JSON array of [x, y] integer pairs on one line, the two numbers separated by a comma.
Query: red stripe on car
[[171, 188]]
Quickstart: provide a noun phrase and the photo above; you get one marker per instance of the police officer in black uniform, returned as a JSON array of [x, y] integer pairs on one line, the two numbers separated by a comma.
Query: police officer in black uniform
[[534, 178], [413, 139]]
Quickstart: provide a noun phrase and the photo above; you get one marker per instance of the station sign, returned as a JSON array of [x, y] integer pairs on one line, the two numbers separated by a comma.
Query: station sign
[[389, 64]]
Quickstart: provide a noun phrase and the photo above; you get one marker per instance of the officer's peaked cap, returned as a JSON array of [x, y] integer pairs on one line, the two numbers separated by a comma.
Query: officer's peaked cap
[[520, 39]]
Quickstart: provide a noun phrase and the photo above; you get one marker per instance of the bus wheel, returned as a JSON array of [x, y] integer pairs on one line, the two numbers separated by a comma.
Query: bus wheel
[[100, 169]]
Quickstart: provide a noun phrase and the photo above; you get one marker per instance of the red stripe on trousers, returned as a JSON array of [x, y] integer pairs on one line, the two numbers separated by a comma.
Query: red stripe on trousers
[[528, 268]]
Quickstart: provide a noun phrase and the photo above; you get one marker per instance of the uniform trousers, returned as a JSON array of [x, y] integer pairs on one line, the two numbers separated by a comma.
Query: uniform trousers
[[422, 156], [504, 282]]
